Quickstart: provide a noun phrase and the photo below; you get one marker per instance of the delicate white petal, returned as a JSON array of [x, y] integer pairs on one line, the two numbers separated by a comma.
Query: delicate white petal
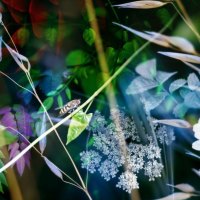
[[196, 145]]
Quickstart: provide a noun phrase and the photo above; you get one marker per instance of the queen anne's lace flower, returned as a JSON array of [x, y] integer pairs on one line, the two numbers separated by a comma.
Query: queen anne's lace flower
[[108, 170], [119, 144], [153, 169], [90, 160], [164, 134], [128, 181]]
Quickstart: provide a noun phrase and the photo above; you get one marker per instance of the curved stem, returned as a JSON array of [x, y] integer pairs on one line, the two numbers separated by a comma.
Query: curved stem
[[9, 36], [38, 98], [41, 154], [60, 140], [17, 83]]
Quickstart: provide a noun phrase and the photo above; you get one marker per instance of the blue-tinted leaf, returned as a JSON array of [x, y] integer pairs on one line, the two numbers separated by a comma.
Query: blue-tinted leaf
[[40, 128], [193, 81], [53, 168], [180, 110], [77, 125], [175, 85], [192, 100], [147, 69], [140, 85], [161, 76], [153, 101], [184, 92]]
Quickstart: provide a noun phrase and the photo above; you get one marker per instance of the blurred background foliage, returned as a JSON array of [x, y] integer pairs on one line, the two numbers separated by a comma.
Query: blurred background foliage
[[57, 38]]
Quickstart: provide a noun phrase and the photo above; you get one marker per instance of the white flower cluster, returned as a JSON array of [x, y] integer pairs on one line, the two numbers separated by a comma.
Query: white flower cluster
[[165, 134], [127, 181], [118, 145]]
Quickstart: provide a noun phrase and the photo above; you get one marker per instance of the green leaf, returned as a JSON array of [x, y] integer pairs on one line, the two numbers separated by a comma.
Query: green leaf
[[111, 56], [60, 101], [2, 178], [6, 137], [48, 102], [68, 93], [77, 57], [89, 36], [127, 50], [90, 142], [52, 93], [78, 124], [1, 155], [76, 81], [60, 87]]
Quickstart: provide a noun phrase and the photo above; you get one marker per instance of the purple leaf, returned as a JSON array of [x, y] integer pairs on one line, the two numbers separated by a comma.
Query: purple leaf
[[20, 165], [15, 149], [5, 110], [53, 168], [23, 120], [27, 156], [8, 120]]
